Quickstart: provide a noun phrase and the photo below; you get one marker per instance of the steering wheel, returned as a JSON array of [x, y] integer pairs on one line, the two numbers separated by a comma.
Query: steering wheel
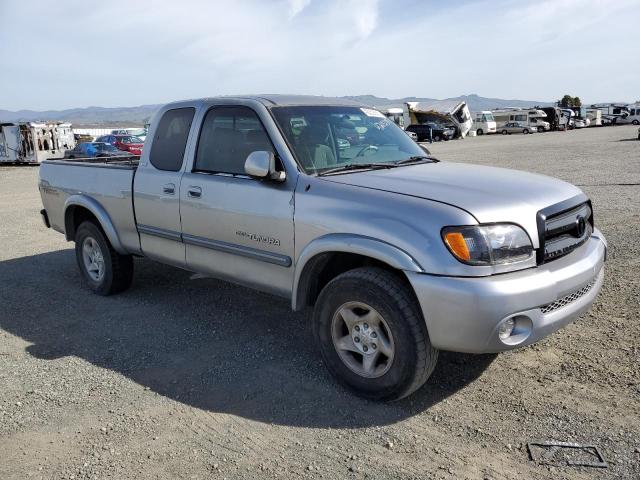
[[364, 149]]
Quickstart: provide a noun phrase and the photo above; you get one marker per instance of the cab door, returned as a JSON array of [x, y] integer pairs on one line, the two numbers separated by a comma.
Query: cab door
[[157, 188], [236, 227]]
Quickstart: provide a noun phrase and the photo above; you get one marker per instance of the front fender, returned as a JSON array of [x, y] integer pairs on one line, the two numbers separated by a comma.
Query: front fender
[[347, 243], [99, 212]]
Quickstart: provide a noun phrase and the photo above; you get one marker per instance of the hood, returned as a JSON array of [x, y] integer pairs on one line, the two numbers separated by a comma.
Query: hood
[[490, 194]]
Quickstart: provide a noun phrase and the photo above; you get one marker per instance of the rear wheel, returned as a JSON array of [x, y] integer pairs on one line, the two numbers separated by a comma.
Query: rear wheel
[[479, 132], [105, 270], [437, 138], [504, 132], [372, 335], [636, 122]]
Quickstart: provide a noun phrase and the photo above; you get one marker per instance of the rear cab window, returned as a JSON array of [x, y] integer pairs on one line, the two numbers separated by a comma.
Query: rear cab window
[[170, 139]]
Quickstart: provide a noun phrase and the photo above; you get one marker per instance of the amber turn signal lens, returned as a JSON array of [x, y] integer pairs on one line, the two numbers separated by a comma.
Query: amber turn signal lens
[[457, 245]]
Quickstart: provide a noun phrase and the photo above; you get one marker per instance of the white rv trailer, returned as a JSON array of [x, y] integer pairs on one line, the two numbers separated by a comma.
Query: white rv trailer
[[612, 113], [396, 115], [531, 117], [31, 142], [483, 122], [444, 111]]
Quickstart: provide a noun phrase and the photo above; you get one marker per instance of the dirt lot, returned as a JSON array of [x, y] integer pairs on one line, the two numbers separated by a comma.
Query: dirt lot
[[185, 377]]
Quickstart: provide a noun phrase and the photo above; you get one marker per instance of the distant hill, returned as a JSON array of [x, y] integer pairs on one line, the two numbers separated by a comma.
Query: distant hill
[[137, 116]]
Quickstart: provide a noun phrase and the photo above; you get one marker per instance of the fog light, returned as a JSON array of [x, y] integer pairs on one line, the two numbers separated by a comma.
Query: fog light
[[506, 328]]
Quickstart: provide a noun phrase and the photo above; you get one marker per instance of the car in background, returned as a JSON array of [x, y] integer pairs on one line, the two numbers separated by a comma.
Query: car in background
[[579, 123], [94, 150], [431, 131], [412, 135], [516, 127], [127, 143], [141, 133]]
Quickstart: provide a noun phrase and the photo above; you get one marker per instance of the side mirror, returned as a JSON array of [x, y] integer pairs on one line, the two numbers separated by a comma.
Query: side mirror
[[262, 164]]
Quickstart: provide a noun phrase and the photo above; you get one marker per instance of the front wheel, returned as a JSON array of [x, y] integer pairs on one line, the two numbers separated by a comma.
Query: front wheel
[[437, 138], [479, 132], [635, 122], [105, 270], [372, 335], [525, 131]]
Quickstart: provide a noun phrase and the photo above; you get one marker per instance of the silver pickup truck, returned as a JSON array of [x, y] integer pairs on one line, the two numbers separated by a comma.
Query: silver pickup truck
[[331, 205]]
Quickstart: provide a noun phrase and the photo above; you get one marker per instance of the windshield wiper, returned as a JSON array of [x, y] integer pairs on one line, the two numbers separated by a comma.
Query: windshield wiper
[[416, 159], [357, 166]]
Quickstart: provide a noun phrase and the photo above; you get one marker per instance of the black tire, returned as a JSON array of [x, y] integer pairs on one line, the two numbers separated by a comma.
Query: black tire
[[437, 138], [414, 357], [636, 122], [118, 269], [504, 132], [525, 131], [479, 132]]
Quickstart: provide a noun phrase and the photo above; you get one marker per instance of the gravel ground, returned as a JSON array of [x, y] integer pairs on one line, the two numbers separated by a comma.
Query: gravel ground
[[185, 377]]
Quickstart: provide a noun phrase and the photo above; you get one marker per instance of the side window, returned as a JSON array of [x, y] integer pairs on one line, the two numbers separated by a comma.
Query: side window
[[228, 135], [170, 140]]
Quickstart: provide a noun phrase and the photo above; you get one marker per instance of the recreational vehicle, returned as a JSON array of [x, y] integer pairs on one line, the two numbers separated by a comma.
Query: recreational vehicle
[[533, 118], [612, 113], [34, 142], [483, 122], [444, 112], [634, 114]]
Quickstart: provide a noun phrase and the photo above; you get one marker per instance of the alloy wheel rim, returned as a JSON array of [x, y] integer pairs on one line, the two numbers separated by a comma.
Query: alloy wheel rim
[[93, 259], [362, 339]]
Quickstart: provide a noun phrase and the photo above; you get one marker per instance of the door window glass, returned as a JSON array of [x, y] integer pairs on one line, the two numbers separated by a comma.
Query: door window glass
[[227, 137], [170, 139]]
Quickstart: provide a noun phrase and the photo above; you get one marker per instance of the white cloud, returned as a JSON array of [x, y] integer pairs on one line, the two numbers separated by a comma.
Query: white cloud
[[74, 53], [297, 6]]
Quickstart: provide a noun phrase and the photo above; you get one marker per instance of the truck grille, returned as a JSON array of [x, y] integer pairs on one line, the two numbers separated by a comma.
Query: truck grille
[[564, 231], [566, 300]]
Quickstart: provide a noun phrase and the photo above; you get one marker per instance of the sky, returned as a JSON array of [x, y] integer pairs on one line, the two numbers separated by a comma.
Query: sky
[[76, 53]]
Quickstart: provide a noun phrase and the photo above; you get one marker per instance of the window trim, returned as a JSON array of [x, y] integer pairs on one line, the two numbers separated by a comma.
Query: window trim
[[186, 143], [243, 176]]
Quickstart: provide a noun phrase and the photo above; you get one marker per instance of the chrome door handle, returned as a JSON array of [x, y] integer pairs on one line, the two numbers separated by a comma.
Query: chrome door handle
[[169, 189], [194, 192]]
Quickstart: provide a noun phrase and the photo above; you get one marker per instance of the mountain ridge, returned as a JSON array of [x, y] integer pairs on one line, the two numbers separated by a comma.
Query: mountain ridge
[[138, 115]]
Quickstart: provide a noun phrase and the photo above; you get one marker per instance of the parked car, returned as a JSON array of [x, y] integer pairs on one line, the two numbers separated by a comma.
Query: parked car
[[127, 143], [399, 254], [431, 131], [412, 135], [579, 123], [515, 127], [94, 150]]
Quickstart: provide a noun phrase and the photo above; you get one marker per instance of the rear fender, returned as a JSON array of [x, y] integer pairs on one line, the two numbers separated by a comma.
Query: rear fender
[[98, 212]]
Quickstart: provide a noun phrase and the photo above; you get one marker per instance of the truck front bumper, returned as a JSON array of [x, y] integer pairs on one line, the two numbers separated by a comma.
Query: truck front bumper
[[464, 314]]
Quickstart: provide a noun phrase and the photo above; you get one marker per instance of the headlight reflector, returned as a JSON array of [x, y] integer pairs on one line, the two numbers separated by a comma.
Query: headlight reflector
[[488, 244]]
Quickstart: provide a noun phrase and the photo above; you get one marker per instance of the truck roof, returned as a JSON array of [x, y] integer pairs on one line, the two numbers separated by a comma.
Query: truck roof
[[270, 100]]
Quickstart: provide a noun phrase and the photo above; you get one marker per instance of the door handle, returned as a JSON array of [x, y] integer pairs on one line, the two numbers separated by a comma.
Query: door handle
[[169, 189], [194, 192]]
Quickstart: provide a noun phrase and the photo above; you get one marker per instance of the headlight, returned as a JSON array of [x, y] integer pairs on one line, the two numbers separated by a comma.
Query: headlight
[[488, 244]]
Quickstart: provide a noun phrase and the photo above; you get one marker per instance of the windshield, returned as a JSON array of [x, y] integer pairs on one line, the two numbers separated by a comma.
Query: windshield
[[326, 137], [138, 132], [105, 147], [487, 117]]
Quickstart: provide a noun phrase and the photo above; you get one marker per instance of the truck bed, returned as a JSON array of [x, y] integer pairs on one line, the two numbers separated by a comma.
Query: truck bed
[[107, 182]]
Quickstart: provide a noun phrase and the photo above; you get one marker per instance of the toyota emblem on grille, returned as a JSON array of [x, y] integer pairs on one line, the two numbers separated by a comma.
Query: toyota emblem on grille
[[581, 225]]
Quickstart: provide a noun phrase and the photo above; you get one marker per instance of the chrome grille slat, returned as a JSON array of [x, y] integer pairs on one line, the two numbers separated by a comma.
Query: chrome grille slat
[[567, 299]]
